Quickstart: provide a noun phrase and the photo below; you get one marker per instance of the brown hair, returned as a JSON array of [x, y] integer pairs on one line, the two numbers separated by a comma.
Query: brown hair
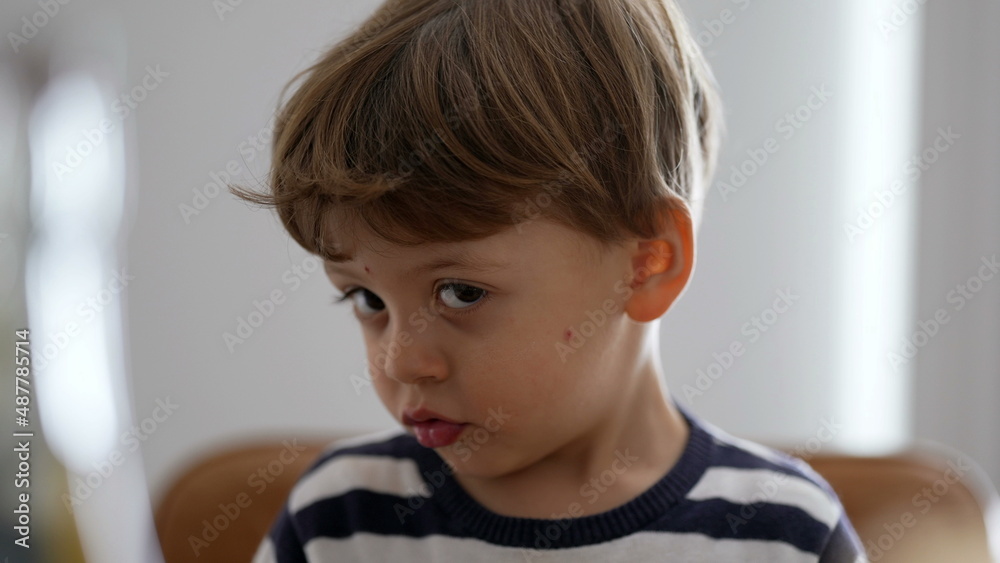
[[449, 120]]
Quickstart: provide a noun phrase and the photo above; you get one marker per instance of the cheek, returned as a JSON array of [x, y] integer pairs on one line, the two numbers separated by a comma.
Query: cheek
[[381, 384], [387, 391], [526, 371]]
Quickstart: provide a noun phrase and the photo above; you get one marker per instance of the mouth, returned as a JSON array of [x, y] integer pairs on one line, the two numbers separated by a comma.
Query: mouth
[[431, 429]]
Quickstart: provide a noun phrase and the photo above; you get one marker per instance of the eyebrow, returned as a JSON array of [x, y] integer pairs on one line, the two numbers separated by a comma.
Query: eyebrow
[[462, 261]]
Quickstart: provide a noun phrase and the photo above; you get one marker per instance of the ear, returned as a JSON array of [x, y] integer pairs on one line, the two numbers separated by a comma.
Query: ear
[[661, 267]]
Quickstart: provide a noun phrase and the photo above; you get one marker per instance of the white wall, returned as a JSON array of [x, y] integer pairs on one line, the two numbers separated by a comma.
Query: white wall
[[783, 228], [195, 277], [958, 371]]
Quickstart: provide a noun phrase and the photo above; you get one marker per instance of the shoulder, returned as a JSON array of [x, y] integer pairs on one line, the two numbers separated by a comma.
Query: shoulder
[[759, 493], [747, 461]]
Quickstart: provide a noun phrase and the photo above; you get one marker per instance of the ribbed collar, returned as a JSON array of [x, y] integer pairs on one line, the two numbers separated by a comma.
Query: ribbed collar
[[478, 521]]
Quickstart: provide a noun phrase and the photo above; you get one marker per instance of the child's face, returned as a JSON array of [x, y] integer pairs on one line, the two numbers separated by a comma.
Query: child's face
[[530, 357]]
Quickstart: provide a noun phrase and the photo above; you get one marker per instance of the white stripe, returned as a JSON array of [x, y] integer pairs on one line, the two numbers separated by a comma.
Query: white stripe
[[751, 486], [341, 474], [643, 546], [265, 552]]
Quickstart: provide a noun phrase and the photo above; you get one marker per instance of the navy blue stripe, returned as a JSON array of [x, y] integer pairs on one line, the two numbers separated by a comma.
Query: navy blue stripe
[[376, 513], [843, 545], [728, 455], [415, 517], [721, 519], [398, 447], [287, 543]]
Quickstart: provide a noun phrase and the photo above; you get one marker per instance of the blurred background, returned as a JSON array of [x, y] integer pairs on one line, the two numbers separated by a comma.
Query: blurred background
[[849, 242]]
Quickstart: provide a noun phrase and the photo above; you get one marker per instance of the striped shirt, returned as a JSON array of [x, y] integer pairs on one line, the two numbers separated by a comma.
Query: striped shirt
[[384, 497]]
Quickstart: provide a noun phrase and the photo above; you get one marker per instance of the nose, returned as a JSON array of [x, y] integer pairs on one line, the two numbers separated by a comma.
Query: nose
[[412, 357]]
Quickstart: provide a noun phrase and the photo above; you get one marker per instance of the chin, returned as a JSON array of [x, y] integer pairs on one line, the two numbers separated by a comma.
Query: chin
[[481, 464]]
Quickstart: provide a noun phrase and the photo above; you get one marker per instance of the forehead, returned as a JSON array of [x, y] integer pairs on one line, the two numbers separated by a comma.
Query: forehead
[[533, 245]]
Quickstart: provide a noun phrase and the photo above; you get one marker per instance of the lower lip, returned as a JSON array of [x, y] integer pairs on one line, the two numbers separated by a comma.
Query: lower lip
[[437, 433]]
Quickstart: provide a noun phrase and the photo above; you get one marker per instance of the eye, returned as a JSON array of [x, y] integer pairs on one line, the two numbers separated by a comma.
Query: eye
[[457, 296], [460, 295], [368, 304]]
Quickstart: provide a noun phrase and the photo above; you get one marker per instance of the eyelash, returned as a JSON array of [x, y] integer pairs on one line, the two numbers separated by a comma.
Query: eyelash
[[338, 299]]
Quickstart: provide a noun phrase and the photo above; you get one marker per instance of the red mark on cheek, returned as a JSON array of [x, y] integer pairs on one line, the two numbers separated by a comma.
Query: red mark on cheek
[[569, 334]]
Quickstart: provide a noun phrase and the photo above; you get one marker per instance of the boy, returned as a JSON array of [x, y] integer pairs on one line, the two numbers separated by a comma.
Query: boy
[[508, 191]]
